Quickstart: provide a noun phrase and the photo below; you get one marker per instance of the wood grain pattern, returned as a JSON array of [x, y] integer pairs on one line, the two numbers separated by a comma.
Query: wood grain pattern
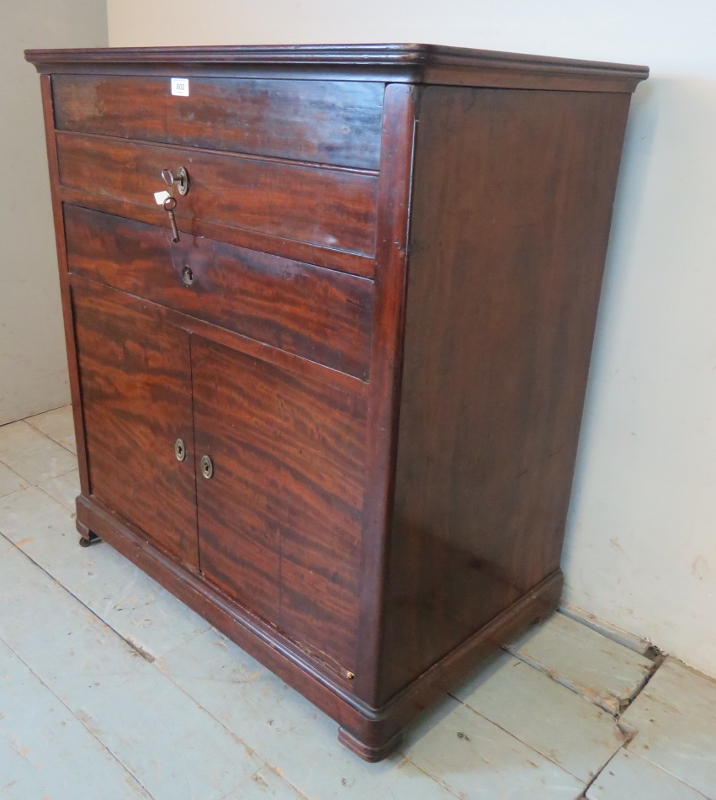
[[256, 635], [369, 540], [511, 215], [399, 123], [364, 729], [136, 391], [280, 520], [326, 122], [318, 314], [264, 352], [330, 207], [352, 263]]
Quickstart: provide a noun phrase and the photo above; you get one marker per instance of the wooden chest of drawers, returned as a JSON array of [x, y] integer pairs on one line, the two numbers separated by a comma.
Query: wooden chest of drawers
[[339, 416]]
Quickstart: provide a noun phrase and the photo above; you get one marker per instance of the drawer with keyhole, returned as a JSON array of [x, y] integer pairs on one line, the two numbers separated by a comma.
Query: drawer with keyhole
[[329, 207], [319, 314]]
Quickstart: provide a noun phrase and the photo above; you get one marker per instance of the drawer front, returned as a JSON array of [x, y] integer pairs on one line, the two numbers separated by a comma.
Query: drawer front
[[315, 313], [327, 122], [329, 207]]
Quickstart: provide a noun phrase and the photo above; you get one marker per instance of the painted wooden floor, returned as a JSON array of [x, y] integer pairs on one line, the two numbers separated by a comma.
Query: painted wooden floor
[[111, 688]]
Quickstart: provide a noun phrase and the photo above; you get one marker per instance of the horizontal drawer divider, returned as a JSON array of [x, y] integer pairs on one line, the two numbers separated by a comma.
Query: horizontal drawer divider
[[223, 153], [244, 344], [339, 260]]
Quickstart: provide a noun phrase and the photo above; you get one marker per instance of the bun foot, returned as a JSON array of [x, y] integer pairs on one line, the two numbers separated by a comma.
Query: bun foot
[[369, 752]]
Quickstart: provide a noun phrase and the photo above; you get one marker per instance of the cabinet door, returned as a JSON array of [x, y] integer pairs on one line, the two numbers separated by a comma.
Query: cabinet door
[[280, 518], [135, 377]]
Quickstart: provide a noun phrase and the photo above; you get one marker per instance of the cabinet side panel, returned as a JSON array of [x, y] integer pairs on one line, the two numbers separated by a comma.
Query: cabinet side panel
[[511, 213]]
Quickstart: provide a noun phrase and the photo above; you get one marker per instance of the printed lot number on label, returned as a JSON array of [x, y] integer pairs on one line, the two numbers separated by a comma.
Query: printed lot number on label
[[180, 87]]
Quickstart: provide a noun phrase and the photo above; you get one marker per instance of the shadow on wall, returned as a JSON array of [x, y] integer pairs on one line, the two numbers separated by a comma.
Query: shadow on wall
[[641, 550]]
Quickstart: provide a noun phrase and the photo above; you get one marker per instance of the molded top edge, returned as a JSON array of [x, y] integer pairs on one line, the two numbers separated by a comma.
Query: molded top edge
[[344, 55]]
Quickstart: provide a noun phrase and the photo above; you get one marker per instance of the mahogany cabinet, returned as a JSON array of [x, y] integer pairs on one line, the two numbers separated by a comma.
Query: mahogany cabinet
[[339, 416]]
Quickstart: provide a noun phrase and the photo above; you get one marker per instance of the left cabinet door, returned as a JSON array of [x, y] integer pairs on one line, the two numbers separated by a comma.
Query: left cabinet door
[[135, 378]]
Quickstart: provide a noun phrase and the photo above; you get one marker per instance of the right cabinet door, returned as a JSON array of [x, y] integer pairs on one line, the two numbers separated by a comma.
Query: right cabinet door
[[280, 496]]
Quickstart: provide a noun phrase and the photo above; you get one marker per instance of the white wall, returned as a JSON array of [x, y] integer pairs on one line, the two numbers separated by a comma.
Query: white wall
[[33, 365], [641, 542]]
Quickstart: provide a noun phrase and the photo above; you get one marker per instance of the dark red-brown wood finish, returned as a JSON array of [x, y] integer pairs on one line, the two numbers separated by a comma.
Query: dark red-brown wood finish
[[372, 339], [383, 63], [280, 520], [508, 240], [319, 314], [331, 207], [136, 383], [326, 122]]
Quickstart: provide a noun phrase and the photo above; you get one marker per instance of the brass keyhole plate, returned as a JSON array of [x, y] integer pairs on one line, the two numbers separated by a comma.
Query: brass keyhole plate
[[207, 467], [180, 449], [182, 181]]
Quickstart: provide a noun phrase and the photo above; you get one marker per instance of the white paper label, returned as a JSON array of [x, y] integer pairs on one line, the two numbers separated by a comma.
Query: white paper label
[[180, 87], [160, 197]]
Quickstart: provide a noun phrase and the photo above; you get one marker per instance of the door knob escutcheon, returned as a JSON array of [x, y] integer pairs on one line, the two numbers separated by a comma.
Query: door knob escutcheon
[[180, 449], [207, 467]]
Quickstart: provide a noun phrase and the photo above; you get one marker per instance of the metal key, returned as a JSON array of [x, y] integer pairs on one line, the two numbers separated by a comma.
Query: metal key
[[169, 205], [170, 202]]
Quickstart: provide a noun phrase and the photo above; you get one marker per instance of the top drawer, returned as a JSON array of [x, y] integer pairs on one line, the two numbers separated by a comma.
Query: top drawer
[[327, 122]]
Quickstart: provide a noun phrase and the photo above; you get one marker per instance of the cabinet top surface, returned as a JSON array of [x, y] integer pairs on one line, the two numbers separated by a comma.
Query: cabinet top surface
[[419, 63]]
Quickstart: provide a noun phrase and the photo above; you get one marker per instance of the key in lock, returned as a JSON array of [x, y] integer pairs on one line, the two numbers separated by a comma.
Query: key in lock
[[167, 199]]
